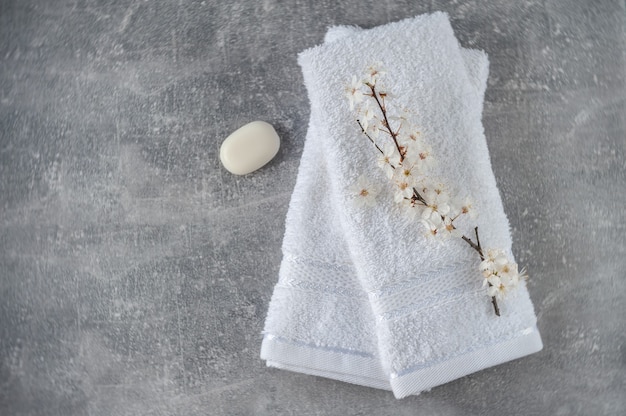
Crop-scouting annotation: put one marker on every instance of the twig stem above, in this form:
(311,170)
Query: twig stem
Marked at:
(386,121)
(369,137)
(476,246)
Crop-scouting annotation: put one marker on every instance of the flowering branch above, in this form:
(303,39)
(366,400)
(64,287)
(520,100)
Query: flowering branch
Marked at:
(406,161)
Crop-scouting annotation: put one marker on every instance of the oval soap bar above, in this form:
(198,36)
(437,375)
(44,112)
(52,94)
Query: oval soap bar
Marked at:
(249,147)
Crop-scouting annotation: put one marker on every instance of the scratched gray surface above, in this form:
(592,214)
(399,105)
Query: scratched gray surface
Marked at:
(135,271)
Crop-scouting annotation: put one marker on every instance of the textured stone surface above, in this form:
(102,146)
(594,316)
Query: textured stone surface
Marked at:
(135,271)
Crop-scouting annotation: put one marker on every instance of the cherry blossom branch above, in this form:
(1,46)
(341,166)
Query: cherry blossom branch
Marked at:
(476,246)
(408,171)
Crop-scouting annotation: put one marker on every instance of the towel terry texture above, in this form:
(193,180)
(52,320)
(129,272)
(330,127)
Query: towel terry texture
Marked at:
(363,295)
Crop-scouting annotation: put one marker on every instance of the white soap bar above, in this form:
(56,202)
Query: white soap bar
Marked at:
(249,148)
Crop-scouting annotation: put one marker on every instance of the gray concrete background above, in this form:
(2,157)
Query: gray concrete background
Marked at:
(135,272)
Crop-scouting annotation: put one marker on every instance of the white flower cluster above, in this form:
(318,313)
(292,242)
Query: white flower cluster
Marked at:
(501,275)
(364,192)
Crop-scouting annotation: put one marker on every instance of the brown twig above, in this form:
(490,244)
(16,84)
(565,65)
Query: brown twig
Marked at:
(476,246)
(393,135)
(369,137)
(495,304)
(418,197)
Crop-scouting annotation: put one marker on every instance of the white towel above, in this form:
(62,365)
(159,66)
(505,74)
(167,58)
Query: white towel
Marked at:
(363,296)
(313,327)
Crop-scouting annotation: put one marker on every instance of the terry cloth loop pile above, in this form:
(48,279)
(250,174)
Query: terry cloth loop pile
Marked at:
(363,296)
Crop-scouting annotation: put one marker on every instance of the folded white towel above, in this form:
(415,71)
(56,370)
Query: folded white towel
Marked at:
(362,296)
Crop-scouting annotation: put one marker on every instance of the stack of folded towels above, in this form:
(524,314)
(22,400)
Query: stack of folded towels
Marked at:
(363,296)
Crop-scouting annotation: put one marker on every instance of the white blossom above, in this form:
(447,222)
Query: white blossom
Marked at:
(501,274)
(389,159)
(455,208)
(436,202)
(496,288)
(373,73)
(407,171)
(364,192)
(467,207)
(410,135)
(499,289)
(412,207)
(494,259)
(354,93)
(421,154)
(373,129)
(403,189)
(448,229)
(366,113)
(433,224)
